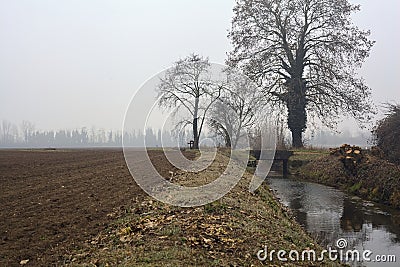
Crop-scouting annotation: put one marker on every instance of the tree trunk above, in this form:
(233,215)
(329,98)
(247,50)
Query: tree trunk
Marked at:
(297,138)
(195,122)
(297,116)
(195,134)
(227,138)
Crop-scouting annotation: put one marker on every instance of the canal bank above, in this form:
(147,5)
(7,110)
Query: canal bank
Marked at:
(368,176)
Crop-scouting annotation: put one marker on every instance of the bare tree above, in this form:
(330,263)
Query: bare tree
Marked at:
(236,110)
(6,128)
(304,55)
(14,134)
(188,85)
(27,129)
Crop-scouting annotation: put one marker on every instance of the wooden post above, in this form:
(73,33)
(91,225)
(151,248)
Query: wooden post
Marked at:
(285,168)
(191,143)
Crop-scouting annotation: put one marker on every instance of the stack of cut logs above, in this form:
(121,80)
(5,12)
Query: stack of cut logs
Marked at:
(351,156)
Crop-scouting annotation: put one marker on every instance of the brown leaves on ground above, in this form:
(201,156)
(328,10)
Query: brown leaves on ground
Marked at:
(227,232)
(195,227)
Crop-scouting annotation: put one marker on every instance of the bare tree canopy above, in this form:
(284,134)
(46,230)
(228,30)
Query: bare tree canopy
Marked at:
(236,110)
(304,55)
(189,85)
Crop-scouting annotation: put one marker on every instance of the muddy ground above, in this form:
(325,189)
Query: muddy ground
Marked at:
(52,201)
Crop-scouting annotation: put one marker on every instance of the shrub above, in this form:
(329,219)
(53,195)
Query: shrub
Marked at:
(387,133)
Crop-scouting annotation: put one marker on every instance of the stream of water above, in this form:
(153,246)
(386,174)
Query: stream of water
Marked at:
(329,214)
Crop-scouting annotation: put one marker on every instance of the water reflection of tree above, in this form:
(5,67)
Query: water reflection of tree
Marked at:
(296,204)
(354,228)
(359,222)
(328,215)
(352,218)
(356,217)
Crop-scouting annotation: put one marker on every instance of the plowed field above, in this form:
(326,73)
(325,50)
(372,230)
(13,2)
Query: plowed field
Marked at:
(52,201)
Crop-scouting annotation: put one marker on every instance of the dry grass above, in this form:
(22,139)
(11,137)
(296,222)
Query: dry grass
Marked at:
(376,179)
(227,232)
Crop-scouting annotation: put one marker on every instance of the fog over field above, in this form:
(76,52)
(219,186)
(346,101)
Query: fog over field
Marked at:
(75,64)
(199,132)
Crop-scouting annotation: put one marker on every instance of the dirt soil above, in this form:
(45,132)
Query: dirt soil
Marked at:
(53,201)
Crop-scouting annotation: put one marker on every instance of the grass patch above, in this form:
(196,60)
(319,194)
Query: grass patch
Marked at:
(308,155)
(355,188)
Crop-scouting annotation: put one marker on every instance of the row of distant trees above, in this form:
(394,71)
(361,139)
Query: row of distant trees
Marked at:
(25,135)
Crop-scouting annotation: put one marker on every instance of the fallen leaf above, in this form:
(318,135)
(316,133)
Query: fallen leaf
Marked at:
(23,262)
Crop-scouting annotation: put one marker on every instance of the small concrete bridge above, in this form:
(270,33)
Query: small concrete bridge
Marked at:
(281,155)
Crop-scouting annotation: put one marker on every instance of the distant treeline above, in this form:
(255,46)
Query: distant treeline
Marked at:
(26,136)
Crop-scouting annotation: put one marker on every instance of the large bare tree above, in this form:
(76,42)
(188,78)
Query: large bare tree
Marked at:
(188,85)
(235,112)
(304,54)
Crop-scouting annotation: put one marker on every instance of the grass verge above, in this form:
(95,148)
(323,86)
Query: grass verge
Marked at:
(375,179)
(227,232)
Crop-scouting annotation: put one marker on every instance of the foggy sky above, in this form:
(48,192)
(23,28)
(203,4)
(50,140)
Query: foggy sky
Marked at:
(69,64)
